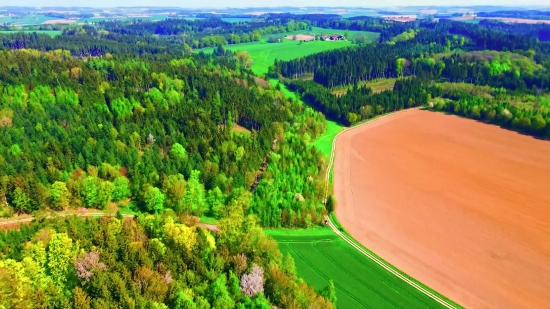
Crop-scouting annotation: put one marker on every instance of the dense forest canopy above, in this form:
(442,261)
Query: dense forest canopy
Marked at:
(149,262)
(121,115)
(155,129)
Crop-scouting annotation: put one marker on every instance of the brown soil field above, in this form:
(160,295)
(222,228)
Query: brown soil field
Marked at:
(400,18)
(59,21)
(459,205)
(301,37)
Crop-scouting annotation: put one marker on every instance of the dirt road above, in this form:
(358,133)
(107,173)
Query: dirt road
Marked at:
(457,204)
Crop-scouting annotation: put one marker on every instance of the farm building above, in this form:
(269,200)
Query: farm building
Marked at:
(333,37)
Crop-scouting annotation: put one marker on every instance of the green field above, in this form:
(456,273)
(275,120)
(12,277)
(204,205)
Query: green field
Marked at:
(264,54)
(26,20)
(236,19)
(51,33)
(324,142)
(320,255)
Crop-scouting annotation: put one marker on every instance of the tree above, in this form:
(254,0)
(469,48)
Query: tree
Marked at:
(91,191)
(61,252)
(219,295)
(329,292)
(16,150)
(252,283)
(21,200)
(154,199)
(88,264)
(194,199)
(121,189)
(329,205)
(178,151)
(60,195)
(80,299)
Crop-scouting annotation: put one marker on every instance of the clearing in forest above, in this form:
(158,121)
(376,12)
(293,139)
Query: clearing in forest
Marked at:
(377,86)
(320,255)
(264,54)
(457,204)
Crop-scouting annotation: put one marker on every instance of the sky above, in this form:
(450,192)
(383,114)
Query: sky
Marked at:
(265,3)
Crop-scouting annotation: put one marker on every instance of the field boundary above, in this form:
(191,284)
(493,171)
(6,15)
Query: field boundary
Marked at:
(349,240)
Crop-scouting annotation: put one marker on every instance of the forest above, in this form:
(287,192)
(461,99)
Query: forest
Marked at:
(115,122)
(150,262)
(512,58)
(153,129)
(121,116)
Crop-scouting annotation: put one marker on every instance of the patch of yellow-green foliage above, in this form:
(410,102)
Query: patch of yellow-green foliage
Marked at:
(499,95)
(405,36)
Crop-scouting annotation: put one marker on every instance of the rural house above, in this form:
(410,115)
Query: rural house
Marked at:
(333,37)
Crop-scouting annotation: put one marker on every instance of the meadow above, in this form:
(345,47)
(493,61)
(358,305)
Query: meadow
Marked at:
(52,33)
(264,54)
(27,20)
(319,255)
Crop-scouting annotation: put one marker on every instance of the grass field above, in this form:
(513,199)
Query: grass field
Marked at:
(378,85)
(51,33)
(324,142)
(320,255)
(236,19)
(264,54)
(27,20)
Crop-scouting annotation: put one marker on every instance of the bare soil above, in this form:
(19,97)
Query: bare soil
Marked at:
(301,37)
(459,205)
(401,18)
(59,21)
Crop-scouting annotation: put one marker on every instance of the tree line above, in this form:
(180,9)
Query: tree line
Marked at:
(360,103)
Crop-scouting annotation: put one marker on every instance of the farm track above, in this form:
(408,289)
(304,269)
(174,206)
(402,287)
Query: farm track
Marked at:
(263,166)
(211,227)
(347,239)
(92,214)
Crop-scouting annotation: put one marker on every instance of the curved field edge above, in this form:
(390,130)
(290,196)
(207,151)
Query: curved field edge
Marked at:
(321,255)
(340,230)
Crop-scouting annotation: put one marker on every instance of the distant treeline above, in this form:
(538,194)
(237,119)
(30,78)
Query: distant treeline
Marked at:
(527,14)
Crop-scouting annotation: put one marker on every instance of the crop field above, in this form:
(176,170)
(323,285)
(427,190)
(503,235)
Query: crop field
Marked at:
(320,255)
(264,54)
(26,20)
(236,19)
(443,197)
(52,33)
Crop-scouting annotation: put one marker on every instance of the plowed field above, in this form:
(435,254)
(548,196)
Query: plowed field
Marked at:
(461,206)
